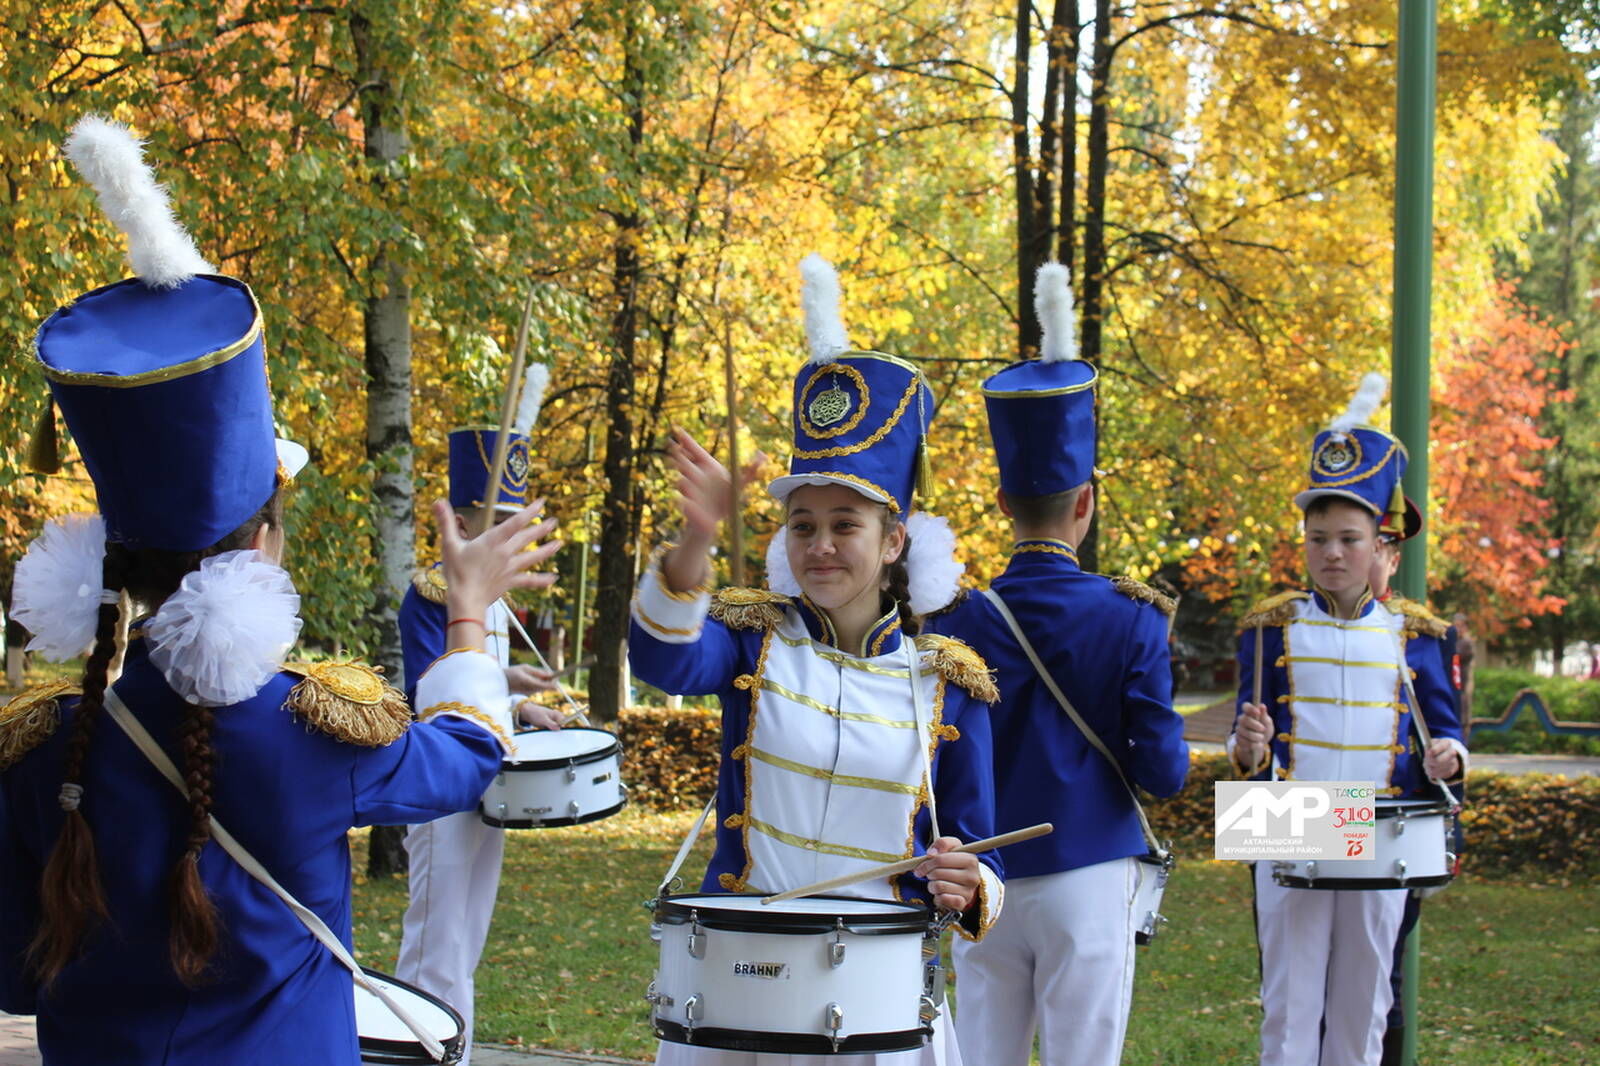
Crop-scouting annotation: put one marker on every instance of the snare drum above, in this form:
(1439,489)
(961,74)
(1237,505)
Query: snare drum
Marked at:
(556,777)
(1410,849)
(817,976)
(386,1039)
(1147,916)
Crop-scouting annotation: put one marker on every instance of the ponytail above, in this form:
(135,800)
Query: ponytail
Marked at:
(897,577)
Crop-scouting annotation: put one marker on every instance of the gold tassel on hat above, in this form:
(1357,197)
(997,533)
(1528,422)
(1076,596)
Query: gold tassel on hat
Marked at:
(44,453)
(1394,519)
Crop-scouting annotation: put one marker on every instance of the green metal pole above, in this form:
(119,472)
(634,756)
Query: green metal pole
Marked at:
(1413,293)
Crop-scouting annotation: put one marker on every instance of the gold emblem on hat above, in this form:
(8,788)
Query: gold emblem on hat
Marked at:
(829,406)
(517,463)
(1338,455)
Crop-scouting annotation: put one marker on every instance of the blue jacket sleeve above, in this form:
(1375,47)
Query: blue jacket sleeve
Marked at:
(1432,685)
(1157,758)
(422,626)
(701,667)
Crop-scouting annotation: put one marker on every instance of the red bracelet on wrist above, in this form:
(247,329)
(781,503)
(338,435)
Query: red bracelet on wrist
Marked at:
(468,621)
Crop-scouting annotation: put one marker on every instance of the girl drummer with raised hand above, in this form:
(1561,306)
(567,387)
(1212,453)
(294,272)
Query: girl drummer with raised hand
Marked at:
(835,715)
(143,909)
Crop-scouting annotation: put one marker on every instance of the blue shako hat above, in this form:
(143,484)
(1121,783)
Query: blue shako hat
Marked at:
(1363,464)
(162,378)
(860,418)
(472,456)
(1041,411)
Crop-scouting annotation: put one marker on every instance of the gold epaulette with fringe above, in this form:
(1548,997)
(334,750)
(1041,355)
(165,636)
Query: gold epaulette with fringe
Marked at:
(31,717)
(429,583)
(1138,590)
(350,702)
(745,608)
(1418,619)
(1274,610)
(957,663)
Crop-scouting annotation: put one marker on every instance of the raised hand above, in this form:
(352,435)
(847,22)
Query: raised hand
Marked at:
(480,570)
(705,498)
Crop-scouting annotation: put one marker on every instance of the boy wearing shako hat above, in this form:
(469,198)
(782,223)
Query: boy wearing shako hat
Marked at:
(1061,960)
(134,932)
(1335,706)
(848,741)
(454,862)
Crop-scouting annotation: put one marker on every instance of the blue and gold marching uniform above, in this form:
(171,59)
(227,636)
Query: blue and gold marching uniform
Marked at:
(162,380)
(1335,689)
(825,748)
(1061,958)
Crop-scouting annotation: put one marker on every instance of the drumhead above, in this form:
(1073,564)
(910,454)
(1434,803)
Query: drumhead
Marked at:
(547,749)
(813,914)
(385,1038)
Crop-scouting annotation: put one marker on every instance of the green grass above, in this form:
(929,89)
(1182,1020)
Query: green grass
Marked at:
(1508,968)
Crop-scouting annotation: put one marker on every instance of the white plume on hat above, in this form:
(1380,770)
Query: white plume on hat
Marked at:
(111,159)
(1052,303)
(534,381)
(819,297)
(1363,404)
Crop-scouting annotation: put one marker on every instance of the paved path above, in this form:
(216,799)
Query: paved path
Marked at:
(17,1049)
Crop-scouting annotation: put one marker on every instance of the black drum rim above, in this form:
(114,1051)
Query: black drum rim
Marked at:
(1361,883)
(903,919)
(405,1052)
(791,1043)
(548,823)
(614,749)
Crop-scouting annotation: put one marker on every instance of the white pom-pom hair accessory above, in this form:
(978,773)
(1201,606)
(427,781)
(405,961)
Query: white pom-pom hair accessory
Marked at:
(1052,303)
(1363,405)
(225,632)
(534,383)
(111,159)
(819,297)
(56,592)
(931,566)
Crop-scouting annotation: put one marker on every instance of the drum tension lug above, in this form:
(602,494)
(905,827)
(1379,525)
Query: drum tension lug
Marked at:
(657,999)
(572,772)
(1400,866)
(697,937)
(572,808)
(836,949)
(1311,871)
(1400,822)
(693,1011)
(835,1015)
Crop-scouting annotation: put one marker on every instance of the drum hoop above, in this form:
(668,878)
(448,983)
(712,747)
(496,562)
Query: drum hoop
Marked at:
(1411,809)
(548,823)
(411,1049)
(902,918)
(510,766)
(791,1043)
(1325,882)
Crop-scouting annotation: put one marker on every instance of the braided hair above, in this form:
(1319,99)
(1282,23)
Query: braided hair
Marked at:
(897,580)
(72,895)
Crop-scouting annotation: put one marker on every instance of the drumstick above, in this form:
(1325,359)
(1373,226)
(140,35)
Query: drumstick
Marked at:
(1260,641)
(508,410)
(893,868)
(577,714)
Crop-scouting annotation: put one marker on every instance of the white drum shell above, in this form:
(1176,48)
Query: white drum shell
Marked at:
(1411,848)
(554,778)
(783,983)
(385,1038)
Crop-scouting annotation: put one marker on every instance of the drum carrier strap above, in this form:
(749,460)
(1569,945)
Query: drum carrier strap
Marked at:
(1061,697)
(158,758)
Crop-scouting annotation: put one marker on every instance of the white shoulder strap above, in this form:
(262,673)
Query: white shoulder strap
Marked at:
(319,929)
(1083,727)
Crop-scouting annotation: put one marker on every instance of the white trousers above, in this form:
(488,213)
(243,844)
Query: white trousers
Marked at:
(1059,960)
(940,1051)
(455,873)
(1325,959)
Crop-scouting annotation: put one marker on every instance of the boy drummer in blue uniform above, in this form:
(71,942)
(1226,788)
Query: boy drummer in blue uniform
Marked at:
(454,862)
(1335,707)
(1061,957)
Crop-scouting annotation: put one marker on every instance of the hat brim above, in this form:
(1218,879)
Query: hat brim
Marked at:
(1413,521)
(1304,499)
(780,488)
(292,458)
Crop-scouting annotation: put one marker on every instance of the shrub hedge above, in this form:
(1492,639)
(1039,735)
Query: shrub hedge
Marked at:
(1568,699)
(1529,825)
